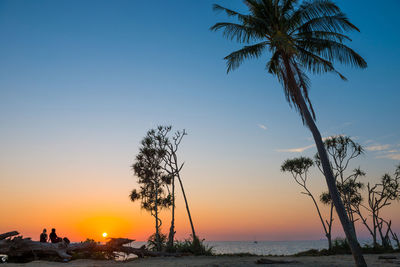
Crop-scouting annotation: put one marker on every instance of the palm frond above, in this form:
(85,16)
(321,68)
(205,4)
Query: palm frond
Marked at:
(242,33)
(287,5)
(230,12)
(313,9)
(316,64)
(334,36)
(274,65)
(333,51)
(336,23)
(236,58)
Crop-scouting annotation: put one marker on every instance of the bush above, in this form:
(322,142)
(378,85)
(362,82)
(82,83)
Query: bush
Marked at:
(313,252)
(152,241)
(340,246)
(194,246)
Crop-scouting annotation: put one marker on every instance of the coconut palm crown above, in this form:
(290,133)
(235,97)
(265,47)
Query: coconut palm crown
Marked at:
(307,37)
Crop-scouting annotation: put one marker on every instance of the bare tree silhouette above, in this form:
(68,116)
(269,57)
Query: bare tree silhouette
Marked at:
(299,168)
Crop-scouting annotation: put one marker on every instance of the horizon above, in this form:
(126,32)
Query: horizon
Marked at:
(82,82)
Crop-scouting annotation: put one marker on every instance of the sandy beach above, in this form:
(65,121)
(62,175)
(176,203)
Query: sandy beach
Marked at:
(337,260)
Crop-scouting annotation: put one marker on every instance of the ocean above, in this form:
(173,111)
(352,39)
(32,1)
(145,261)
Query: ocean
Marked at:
(261,247)
(266,247)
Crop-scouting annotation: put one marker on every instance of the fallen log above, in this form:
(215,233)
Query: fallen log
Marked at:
(268,261)
(24,249)
(9,234)
(19,247)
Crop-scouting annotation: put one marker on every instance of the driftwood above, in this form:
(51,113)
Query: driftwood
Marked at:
(268,261)
(24,248)
(9,234)
(387,257)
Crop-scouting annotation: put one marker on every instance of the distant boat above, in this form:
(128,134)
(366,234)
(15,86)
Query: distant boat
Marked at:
(255,242)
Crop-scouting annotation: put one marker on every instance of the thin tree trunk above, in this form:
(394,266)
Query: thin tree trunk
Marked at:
(187,207)
(184,196)
(329,177)
(172,228)
(364,221)
(158,243)
(329,237)
(374,225)
(330,227)
(320,216)
(385,244)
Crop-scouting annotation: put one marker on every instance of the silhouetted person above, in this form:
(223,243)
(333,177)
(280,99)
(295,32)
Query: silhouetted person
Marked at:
(66,240)
(43,236)
(53,236)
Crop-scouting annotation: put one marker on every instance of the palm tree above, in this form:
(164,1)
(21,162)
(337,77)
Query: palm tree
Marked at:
(300,37)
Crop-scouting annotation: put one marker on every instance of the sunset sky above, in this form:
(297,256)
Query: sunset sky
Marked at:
(82,81)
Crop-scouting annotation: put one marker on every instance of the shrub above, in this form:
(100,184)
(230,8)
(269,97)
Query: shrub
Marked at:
(152,242)
(340,246)
(194,246)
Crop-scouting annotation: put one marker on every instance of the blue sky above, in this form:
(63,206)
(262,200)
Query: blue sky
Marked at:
(82,81)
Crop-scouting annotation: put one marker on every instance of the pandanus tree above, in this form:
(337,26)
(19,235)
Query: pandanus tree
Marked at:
(380,195)
(152,181)
(342,150)
(301,38)
(157,166)
(299,169)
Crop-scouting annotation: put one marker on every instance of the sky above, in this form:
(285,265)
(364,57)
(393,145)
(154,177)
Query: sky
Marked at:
(82,81)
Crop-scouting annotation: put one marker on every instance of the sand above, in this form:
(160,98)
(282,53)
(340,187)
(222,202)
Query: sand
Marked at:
(214,261)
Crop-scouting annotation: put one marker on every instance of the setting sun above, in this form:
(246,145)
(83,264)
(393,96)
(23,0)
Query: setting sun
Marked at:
(104,234)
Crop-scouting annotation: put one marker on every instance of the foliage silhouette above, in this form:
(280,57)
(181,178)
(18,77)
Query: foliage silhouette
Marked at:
(152,180)
(157,166)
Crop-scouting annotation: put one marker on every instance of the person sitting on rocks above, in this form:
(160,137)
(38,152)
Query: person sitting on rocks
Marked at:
(43,236)
(53,237)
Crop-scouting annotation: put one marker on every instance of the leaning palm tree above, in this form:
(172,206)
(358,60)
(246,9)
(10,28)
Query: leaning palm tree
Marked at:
(301,38)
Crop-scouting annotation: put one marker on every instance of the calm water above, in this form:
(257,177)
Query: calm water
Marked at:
(261,247)
(264,247)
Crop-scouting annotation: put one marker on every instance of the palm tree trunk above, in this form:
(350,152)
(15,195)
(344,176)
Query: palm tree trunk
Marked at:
(330,180)
(326,167)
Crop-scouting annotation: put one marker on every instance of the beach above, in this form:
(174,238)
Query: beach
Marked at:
(192,261)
